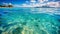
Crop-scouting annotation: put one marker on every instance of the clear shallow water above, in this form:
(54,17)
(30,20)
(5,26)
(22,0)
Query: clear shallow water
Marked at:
(29,20)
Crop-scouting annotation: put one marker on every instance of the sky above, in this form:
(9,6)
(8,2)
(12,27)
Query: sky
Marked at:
(18,1)
(13,1)
(27,3)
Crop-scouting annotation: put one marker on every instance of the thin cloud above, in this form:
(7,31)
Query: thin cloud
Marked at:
(32,1)
(5,3)
(41,3)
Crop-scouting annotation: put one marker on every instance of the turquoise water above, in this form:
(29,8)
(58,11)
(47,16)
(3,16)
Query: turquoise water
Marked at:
(29,20)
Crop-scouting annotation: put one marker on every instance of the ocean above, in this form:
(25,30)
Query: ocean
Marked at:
(29,20)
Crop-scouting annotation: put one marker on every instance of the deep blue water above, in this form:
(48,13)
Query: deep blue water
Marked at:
(29,20)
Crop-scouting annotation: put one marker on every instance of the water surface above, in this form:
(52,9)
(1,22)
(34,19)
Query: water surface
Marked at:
(29,20)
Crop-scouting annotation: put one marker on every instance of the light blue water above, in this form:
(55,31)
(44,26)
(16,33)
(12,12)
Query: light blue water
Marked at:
(29,20)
